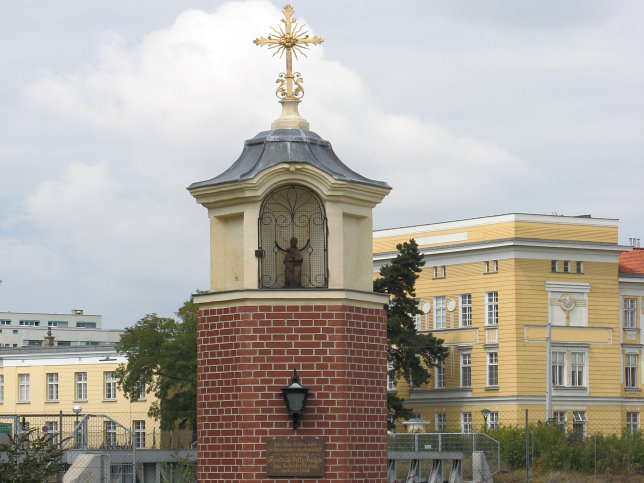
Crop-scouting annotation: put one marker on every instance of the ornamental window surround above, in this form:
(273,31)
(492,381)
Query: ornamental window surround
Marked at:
(292,251)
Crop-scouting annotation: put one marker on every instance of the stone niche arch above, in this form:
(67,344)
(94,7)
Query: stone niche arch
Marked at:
(292,212)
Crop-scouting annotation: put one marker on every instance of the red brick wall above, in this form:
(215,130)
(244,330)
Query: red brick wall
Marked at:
(246,355)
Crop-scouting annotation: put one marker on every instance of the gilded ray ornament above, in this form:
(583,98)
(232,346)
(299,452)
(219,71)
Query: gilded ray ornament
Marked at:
(291,39)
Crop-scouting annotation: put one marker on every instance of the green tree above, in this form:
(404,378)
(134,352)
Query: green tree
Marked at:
(410,354)
(162,357)
(30,458)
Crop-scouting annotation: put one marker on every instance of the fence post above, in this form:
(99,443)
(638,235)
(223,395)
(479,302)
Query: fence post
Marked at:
(595,437)
(527,449)
(440,446)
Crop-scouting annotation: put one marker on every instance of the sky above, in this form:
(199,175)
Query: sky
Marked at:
(109,110)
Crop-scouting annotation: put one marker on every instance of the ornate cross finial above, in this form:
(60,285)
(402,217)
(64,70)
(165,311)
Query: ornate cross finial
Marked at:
(292,39)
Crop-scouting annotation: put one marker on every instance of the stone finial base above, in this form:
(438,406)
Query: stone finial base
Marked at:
(290,117)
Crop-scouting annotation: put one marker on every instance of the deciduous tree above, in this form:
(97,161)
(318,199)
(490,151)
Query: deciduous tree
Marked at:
(162,357)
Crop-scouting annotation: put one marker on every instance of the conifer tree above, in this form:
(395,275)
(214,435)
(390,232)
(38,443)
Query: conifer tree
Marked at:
(410,355)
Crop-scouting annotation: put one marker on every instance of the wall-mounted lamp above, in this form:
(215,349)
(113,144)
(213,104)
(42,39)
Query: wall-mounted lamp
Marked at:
(295,396)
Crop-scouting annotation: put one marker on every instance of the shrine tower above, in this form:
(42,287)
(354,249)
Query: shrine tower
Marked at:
(291,289)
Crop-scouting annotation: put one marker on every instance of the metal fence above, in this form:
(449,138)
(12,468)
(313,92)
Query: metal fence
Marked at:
(447,443)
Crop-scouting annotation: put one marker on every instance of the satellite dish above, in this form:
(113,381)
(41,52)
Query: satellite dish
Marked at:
(451,305)
(426,307)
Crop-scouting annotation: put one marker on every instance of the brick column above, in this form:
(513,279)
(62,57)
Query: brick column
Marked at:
(246,355)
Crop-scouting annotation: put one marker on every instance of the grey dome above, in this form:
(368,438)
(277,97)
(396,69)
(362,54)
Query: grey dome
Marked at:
(270,148)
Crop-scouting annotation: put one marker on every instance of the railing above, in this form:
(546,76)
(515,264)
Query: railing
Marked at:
(449,442)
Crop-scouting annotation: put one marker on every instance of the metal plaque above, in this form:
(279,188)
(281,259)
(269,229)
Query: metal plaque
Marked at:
(295,458)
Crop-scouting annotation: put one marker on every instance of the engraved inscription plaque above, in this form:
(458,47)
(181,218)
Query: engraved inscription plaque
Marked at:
(295,458)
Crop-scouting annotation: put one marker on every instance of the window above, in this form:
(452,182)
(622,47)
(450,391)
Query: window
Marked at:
(5,322)
(580,267)
(86,325)
(57,323)
(23,387)
(558,368)
(466,370)
(439,272)
(579,423)
(554,266)
(577,369)
(417,317)
(561,420)
(439,313)
(52,428)
(466,422)
(30,323)
(110,434)
(630,313)
(465,302)
(290,215)
(632,422)
(140,390)
(630,369)
(493,420)
(391,378)
(492,369)
(1,388)
(441,422)
(491,266)
(439,373)
(52,387)
(110,386)
(566,266)
(32,343)
(139,434)
(81,386)
(491,308)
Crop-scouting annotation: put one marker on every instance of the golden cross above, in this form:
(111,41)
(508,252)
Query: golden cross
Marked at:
(290,39)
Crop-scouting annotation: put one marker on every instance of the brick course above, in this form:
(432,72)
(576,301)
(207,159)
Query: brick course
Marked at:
(247,354)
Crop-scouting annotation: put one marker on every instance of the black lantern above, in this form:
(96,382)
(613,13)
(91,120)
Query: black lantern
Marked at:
(295,397)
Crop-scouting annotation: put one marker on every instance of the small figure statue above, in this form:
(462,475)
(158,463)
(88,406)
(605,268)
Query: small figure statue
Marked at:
(293,262)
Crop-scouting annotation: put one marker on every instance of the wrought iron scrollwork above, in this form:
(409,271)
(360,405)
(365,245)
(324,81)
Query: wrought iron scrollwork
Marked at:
(290,213)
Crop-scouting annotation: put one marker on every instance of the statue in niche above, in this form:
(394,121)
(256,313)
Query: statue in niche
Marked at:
(293,265)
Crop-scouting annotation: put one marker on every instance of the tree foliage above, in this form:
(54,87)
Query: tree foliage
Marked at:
(162,355)
(30,458)
(410,354)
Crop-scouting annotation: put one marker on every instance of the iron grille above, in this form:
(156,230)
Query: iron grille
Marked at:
(292,212)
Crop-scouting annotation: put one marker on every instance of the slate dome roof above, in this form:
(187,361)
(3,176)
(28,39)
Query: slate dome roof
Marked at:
(269,148)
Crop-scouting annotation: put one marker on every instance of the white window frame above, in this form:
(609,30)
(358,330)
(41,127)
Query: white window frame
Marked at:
(110,386)
(558,368)
(440,313)
(465,309)
(418,317)
(630,312)
(492,309)
(110,434)
(1,388)
(52,429)
(439,271)
(566,266)
(632,422)
(580,267)
(577,369)
(439,375)
(466,369)
(492,369)
(52,386)
(579,422)
(441,422)
(466,423)
(391,380)
(493,420)
(139,434)
(554,266)
(80,389)
(561,420)
(630,370)
(23,388)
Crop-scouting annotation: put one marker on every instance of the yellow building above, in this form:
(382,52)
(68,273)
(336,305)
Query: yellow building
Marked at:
(490,288)
(40,386)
